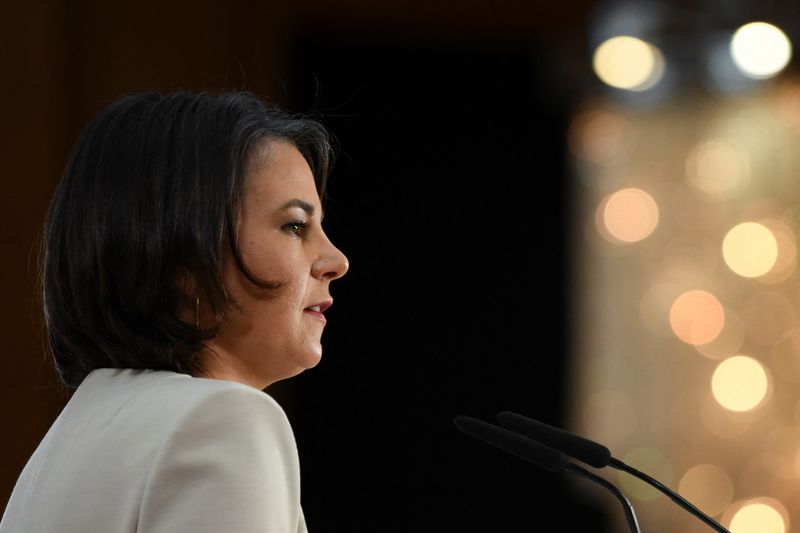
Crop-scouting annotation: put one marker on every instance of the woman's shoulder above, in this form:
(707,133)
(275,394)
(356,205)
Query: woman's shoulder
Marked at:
(163,384)
(121,396)
(199,454)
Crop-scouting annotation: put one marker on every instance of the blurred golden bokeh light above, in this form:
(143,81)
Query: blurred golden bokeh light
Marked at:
(650,461)
(655,305)
(628,215)
(718,169)
(760,50)
(796,464)
(597,136)
(788,103)
(690,258)
(728,342)
(762,515)
(739,383)
(609,416)
(785,358)
(769,318)
(780,447)
(750,249)
(626,62)
(722,423)
(786,261)
(708,487)
(690,324)
(697,317)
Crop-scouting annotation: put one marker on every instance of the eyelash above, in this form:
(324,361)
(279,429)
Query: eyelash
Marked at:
(301,227)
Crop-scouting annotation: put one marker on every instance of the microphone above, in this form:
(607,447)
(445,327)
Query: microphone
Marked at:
(593,454)
(540,455)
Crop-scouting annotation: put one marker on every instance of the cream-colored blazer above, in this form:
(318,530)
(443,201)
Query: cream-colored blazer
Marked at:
(144,451)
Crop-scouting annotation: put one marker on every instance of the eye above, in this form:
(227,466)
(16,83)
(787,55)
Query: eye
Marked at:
(297,227)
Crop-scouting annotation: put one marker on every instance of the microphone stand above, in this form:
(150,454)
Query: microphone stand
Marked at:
(630,516)
(674,496)
(539,454)
(594,454)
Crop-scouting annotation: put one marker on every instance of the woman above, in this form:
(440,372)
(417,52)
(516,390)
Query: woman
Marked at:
(184,269)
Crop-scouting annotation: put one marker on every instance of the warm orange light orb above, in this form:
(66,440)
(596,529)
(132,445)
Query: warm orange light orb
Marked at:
(630,215)
(697,317)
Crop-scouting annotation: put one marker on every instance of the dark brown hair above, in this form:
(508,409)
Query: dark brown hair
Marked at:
(152,190)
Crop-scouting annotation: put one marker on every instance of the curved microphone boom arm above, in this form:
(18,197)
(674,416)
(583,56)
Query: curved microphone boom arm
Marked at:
(540,455)
(594,454)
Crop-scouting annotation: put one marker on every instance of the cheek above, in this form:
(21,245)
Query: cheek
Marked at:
(276,261)
(267,263)
(285,304)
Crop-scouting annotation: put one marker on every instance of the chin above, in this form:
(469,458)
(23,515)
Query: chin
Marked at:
(297,369)
(311,360)
(307,357)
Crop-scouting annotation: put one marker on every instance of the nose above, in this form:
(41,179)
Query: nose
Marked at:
(331,265)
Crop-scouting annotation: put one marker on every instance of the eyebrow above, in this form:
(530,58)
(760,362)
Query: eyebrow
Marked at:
(302,204)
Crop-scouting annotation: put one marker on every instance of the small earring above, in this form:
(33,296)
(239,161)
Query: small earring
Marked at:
(197,313)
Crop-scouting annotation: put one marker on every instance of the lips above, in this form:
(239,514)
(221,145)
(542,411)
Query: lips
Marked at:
(320,307)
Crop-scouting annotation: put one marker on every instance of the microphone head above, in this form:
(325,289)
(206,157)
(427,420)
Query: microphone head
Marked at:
(584,450)
(513,443)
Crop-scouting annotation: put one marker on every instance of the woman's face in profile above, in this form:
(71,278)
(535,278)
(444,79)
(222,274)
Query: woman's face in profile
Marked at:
(281,239)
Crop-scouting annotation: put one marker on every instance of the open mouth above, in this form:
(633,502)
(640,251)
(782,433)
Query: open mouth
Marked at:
(319,307)
(316,310)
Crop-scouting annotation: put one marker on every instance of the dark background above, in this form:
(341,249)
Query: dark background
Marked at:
(450,196)
(450,200)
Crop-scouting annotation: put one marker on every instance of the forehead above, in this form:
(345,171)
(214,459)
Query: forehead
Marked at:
(278,172)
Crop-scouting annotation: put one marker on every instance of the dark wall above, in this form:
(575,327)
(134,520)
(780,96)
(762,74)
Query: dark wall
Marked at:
(450,198)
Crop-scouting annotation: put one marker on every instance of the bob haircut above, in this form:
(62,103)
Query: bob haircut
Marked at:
(152,192)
